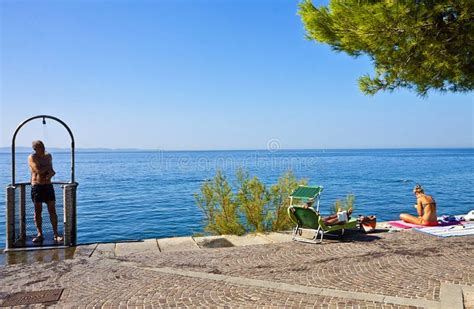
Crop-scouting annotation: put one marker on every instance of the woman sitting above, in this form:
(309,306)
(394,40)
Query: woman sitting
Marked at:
(426,208)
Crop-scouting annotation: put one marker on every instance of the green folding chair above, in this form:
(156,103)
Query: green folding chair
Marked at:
(305,194)
(309,219)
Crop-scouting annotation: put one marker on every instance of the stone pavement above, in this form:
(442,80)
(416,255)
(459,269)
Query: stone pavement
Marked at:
(383,270)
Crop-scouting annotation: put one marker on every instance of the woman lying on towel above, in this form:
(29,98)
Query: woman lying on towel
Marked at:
(331,219)
(426,208)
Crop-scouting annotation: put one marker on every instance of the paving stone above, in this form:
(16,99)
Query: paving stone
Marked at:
(363,271)
(127,248)
(177,244)
(246,240)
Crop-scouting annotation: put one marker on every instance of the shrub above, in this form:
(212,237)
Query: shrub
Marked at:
(253,199)
(263,208)
(280,202)
(349,202)
(217,201)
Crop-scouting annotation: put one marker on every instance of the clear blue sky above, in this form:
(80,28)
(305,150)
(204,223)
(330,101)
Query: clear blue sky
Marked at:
(201,75)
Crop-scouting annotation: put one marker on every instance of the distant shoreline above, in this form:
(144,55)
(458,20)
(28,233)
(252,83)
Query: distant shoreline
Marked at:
(23,149)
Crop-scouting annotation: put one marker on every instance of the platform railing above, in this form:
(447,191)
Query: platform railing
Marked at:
(20,225)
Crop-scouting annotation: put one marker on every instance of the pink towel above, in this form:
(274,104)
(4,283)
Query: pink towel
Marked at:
(405,225)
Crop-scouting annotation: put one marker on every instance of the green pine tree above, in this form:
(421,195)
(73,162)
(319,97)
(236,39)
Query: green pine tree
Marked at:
(418,44)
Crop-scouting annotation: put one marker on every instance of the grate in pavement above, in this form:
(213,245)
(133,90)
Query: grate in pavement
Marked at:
(32,297)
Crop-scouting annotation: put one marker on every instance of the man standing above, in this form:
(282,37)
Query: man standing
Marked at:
(42,191)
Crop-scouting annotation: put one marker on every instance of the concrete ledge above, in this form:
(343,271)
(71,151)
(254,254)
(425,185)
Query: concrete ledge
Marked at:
(276,237)
(468,296)
(146,246)
(247,240)
(412,302)
(450,296)
(213,242)
(85,250)
(353,295)
(177,244)
(104,250)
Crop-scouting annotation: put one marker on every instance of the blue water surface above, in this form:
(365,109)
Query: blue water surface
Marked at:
(139,195)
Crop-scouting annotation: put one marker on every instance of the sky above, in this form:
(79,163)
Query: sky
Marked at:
(201,75)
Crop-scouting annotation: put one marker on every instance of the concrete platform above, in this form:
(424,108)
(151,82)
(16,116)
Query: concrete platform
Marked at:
(247,240)
(104,250)
(177,244)
(277,237)
(145,246)
(213,242)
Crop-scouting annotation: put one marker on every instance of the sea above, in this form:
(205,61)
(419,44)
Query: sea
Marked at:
(131,195)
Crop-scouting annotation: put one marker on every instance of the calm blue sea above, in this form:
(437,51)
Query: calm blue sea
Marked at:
(136,195)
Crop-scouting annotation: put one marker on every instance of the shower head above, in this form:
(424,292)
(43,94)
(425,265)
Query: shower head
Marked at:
(44,120)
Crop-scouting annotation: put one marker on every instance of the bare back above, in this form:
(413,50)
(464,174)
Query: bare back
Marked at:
(41,167)
(427,206)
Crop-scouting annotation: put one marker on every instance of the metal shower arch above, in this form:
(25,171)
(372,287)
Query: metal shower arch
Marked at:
(44,117)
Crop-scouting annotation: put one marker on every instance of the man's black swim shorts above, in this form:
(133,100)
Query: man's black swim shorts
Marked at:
(42,193)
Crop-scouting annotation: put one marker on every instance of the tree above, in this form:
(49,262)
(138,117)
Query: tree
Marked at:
(417,44)
(253,198)
(217,201)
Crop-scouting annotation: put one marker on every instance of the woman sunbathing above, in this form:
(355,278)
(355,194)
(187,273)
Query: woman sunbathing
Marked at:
(331,219)
(426,208)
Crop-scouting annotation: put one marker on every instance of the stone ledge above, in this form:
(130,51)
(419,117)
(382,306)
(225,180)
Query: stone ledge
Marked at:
(177,244)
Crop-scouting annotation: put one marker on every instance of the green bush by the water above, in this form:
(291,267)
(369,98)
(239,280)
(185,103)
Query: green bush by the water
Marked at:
(263,208)
(349,202)
(218,203)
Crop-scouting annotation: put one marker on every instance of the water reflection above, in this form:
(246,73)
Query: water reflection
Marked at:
(34,256)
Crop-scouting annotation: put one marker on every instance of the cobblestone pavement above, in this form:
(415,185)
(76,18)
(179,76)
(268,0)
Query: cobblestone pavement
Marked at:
(404,265)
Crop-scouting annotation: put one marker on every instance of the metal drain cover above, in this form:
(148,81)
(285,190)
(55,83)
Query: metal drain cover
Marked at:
(33,297)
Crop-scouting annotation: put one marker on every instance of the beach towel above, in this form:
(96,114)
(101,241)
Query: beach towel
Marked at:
(405,225)
(449,220)
(448,231)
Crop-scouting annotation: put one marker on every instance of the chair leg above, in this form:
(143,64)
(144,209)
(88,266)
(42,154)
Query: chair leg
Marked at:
(295,232)
(316,234)
(341,237)
(322,235)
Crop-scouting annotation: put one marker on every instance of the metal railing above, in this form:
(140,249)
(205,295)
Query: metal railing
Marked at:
(20,210)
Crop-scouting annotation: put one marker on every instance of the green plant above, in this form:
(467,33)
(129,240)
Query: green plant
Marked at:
(262,208)
(217,201)
(346,204)
(422,45)
(253,198)
(280,202)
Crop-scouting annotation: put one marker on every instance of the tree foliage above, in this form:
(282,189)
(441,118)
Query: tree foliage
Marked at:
(261,208)
(346,204)
(418,44)
(253,198)
(280,202)
(217,201)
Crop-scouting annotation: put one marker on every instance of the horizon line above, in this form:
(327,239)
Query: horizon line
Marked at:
(105,149)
